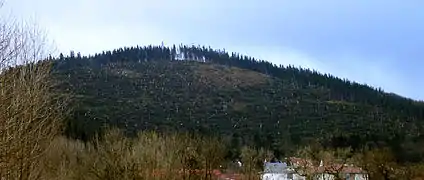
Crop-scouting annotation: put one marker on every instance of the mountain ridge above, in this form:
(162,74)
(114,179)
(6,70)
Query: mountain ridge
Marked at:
(249,101)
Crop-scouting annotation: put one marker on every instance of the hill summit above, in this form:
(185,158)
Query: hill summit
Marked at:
(242,99)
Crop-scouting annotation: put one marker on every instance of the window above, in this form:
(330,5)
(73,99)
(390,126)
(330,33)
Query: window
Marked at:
(289,175)
(347,176)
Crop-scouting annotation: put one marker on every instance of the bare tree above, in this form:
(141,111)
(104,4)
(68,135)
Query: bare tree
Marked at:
(29,113)
(337,161)
(307,159)
(252,161)
(212,154)
(316,160)
(379,163)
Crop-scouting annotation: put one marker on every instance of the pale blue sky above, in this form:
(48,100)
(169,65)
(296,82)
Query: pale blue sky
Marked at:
(377,42)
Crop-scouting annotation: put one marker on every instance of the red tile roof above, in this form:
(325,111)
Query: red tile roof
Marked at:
(332,168)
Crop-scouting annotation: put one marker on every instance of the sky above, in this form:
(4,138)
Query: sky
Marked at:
(374,42)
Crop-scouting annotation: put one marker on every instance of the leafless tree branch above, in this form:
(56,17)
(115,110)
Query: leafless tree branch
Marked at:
(30,113)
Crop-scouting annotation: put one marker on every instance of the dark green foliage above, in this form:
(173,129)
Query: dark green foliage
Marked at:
(249,102)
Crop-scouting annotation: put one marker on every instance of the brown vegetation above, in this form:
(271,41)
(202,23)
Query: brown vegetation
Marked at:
(223,76)
(148,156)
(378,164)
(29,114)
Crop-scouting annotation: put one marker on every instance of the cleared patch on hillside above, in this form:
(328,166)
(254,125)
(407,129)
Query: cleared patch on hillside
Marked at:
(224,76)
(239,106)
(128,73)
(341,103)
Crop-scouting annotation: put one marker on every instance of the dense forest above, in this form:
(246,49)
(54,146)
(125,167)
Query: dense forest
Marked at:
(244,100)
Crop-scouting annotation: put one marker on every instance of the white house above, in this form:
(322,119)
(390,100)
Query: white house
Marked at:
(281,171)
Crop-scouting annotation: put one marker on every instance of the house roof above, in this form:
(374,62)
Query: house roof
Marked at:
(334,168)
(326,168)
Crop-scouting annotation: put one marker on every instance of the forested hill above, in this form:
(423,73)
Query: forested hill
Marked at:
(248,101)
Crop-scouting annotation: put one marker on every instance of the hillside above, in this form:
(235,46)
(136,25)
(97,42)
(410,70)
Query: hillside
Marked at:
(247,101)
